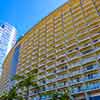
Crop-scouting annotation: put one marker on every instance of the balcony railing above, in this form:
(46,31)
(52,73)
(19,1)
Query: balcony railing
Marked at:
(91,69)
(49,67)
(90,87)
(76,73)
(51,80)
(84,61)
(94,76)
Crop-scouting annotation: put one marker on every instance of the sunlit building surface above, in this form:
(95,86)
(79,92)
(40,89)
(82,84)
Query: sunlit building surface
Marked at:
(65,48)
(7,41)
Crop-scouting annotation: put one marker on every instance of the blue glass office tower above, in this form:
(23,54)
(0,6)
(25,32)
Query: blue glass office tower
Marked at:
(7,41)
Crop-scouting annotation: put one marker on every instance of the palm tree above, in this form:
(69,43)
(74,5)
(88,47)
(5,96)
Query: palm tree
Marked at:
(11,95)
(60,95)
(4,96)
(56,96)
(25,82)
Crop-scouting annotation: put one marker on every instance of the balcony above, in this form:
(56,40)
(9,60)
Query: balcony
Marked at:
(93,77)
(41,54)
(60,77)
(50,39)
(89,51)
(51,80)
(63,85)
(51,54)
(49,61)
(73,82)
(59,63)
(59,38)
(50,73)
(75,64)
(87,88)
(83,40)
(40,65)
(41,76)
(50,88)
(89,8)
(60,43)
(60,70)
(96,41)
(76,90)
(84,61)
(59,85)
(76,9)
(91,68)
(71,51)
(60,56)
(95,21)
(60,49)
(95,28)
(86,4)
(51,66)
(92,87)
(71,44)
(75,73)
(41,70)
(59,29)
(74,57)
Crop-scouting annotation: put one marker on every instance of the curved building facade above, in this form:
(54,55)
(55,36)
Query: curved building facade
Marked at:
(65,48)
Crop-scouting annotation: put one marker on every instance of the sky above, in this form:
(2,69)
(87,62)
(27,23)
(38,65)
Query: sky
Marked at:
(24,14)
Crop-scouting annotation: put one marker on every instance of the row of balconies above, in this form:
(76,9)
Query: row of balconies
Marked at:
(72,82)
(92,29)
(51,66)
(86,32)
(50,38)
(87,88)
(58,24)
(81,71)
(93,50)
(83,61)
(81,80)
(80,89)
(85,39)
(50,25)
(50,30)
(86,4)
(67,23)
(82,48)
(79,19)
(59,44)
(98,6)
(89,8)
(73,73)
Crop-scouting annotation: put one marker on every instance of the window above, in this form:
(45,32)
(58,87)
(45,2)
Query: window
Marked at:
(78,79)
(62,60)
(70,50)
(66,67)
(3,26)
(95,40)
(85,52)
(43,88)
(90,67)
(43,81)
(79,88)
(90,76)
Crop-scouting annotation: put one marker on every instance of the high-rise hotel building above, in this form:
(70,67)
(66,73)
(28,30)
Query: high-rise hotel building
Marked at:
(7,41)
(65,48)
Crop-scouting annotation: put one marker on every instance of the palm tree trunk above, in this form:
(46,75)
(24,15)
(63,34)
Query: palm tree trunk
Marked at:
(27,94)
